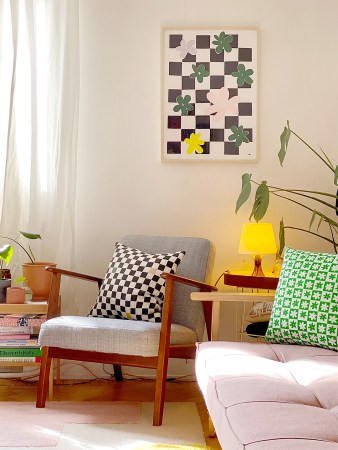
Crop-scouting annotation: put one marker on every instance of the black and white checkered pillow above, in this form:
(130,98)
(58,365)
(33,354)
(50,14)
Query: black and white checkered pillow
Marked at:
(133,288)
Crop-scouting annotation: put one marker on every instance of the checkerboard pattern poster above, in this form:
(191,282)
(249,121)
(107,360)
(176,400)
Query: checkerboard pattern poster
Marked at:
(209,94)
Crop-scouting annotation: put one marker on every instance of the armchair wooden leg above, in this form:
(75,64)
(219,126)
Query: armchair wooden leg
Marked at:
(161,380)
(118,373)
(43,379)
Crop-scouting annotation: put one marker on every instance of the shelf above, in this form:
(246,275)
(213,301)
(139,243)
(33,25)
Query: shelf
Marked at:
(232,297)
(24,308)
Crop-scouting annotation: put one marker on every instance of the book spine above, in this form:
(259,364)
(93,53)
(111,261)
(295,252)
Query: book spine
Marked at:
(19,352)
(16,330)
(12,337)
(19,343)
(13,322)
(21,359)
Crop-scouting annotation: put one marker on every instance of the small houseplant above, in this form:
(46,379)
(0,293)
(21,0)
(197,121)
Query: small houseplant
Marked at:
(313,201)
(36,277)
(6,253)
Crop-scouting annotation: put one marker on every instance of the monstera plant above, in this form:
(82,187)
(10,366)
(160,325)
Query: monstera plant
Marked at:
(316,202)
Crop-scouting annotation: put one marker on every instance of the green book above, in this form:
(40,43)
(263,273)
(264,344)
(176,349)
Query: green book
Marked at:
(22,351)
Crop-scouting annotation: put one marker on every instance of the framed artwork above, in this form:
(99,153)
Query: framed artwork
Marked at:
(209,95)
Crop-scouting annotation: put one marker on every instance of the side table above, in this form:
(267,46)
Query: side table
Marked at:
(242,281)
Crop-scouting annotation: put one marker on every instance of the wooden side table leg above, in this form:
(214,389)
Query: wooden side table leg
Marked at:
(216,307)
(58,371)
(212,432)
(51,381)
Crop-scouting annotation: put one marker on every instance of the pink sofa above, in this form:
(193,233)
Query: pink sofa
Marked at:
(270,396)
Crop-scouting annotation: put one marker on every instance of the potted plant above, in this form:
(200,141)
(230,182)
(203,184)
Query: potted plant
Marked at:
(311,200)
(36,277)
(6,253)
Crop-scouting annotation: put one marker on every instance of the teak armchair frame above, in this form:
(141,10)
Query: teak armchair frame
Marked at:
(159,362)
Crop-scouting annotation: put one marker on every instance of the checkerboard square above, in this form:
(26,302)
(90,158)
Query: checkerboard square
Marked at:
(175,68)
(188,82)
(202,41)
(175,40)
(173,94)
(202,121)
(244,54)
(173,148)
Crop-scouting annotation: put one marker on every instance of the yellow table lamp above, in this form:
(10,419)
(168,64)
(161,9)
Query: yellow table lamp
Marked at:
(257,239)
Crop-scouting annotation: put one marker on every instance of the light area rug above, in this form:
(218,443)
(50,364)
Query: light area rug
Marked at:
(23,425)
(181,429)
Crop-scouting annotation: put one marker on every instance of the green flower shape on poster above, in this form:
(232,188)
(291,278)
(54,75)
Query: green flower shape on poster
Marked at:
(194,143)
(239,135)
(223,42)
(200,72)
(243,75)
(183,104)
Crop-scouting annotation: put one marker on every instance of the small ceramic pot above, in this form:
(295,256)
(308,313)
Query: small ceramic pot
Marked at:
(15,295)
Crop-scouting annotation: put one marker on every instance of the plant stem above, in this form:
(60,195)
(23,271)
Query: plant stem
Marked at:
(334,242)
(305,196)
(313,150)
(327,219)
(300,192)
(310,232)
(303,190)
(18,243)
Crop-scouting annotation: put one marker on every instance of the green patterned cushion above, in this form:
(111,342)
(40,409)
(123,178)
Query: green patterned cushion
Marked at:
(305,309)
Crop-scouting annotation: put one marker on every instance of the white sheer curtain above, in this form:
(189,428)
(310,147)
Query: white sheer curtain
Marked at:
(39,92)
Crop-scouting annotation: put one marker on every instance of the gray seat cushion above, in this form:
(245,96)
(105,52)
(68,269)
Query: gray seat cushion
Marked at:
(128,337)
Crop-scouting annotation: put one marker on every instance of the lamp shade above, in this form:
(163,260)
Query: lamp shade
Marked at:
(257,239)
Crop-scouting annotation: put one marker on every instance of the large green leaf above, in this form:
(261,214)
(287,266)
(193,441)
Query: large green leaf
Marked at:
(30,235)
(281,237)
(245,192)
(6,253)
(261,202)
(284,141)
(336,176)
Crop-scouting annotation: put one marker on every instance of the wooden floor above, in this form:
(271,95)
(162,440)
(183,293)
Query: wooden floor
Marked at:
(138,390)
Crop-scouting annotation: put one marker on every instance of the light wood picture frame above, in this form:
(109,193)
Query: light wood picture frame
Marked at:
(209,94)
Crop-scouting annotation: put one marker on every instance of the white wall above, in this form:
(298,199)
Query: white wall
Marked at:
(122,186)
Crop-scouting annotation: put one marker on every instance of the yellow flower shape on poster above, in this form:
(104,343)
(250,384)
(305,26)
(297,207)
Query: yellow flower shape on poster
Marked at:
(194,143)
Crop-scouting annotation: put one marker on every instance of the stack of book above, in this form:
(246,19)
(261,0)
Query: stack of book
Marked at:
(19,337)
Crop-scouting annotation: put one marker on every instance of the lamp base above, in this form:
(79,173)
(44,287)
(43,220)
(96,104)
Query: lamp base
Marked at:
(258,271)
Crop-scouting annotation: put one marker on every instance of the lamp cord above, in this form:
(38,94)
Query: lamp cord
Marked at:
(220,277)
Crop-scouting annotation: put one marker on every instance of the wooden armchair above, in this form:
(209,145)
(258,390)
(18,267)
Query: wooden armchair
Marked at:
(130,342)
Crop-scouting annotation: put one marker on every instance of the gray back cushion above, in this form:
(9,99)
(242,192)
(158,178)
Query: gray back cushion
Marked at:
(197,264)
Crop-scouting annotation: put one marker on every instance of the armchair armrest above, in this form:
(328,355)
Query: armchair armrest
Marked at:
(54,295)
(204,287)
(68,273)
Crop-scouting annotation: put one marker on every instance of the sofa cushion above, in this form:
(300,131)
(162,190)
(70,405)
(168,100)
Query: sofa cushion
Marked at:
(305,310)
(133,287)
(261,396)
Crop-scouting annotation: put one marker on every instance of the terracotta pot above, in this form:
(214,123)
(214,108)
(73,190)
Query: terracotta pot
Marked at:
(15,295)
(38,279)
